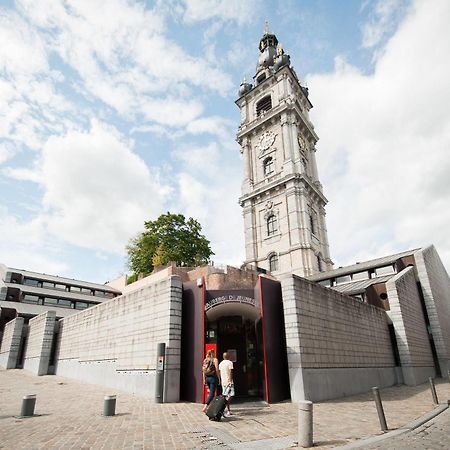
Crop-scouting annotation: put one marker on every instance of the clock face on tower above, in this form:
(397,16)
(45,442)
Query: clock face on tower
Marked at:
(266,141)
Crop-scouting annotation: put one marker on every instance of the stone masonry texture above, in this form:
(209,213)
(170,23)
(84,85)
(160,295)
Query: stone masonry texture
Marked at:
(331,330)
(9,349)
(436,290)
(39,343)
(117,340)
(409,323)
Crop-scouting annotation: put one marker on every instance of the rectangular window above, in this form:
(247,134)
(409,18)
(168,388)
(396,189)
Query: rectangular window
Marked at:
(50,301)
(32,282)
(86,291)
(28,298)
(343,279)
(61,287)
(386,270)
(81,305)
(64,303)
(326,283)
(360,276)
(48,285)
(272,226)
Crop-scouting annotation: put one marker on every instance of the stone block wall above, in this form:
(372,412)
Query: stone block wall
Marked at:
(435,284)
(10,345)
(115,343)
(336,345)
(39,343)
(410,329)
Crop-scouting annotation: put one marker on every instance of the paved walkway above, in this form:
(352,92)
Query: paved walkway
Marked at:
(69,417)
(433,435)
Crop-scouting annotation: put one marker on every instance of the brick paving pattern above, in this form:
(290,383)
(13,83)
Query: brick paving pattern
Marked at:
(69,416)
(434,435)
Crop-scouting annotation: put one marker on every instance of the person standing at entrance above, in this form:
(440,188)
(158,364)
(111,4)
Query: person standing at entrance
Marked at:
(226,378)
(210,371)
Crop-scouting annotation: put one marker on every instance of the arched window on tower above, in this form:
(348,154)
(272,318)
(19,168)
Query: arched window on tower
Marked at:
(263,105)
(269,166)
(273,263)
(319,263)
(272,226)
(313,222)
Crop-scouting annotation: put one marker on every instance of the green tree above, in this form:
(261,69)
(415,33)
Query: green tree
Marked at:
(168,238)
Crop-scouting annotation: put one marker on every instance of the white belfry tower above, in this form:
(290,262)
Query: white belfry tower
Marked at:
(282,199)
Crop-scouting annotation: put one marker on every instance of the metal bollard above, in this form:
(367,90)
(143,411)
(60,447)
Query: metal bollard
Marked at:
(448,373)
(305,424)
(433,391)
(109,407)
(380,410)
(28,403)
(160,366)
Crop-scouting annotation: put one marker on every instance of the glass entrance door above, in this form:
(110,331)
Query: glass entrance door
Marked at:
(241,339)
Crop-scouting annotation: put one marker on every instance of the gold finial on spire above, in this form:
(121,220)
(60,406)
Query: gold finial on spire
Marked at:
(266,27)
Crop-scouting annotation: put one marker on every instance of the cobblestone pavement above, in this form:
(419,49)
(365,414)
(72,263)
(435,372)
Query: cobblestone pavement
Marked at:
(434,435)
(68,416)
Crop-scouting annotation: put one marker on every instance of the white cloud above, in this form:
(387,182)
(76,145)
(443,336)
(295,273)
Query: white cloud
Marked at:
(222,128)
(30,105)
(97,192)
(123,56)
(384,143)
(26,244)
(237,10)
(382,21)
(208,188)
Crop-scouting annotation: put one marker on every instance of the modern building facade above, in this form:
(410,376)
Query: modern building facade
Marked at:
(27,294)
(302,330)
(282,199)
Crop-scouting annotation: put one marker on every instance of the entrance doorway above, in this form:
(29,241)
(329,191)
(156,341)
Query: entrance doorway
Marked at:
(241,338)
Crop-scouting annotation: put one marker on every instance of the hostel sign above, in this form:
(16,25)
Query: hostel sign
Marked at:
(230,299)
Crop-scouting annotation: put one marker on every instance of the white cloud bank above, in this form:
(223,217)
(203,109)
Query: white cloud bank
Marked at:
(385,138)
(97,192)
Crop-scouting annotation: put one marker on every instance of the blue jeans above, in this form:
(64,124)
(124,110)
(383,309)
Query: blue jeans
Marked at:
(211,382)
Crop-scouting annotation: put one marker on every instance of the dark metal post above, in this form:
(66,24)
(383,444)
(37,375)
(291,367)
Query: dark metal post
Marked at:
(109,407)
(28,403)
(380,411)
(160,366)
(433,391)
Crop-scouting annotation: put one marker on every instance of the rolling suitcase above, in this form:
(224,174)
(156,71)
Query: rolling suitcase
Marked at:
(216,408)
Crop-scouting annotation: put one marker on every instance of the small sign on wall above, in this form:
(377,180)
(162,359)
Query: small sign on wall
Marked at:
(160,365)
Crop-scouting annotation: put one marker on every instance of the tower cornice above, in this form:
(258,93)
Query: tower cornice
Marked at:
(279,182)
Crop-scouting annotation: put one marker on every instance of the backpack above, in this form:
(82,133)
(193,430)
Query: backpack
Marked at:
(208,367)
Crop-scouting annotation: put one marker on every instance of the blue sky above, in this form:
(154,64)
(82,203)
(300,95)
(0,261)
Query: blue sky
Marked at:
(114,112)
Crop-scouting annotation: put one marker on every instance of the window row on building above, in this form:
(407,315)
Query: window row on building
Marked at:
(65,287)
(359,276)
(54,301)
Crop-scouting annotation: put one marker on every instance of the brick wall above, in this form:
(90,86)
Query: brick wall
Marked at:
(10,345)
(336,345)
(410,328)
(436,290)
(114,343)
(39,343)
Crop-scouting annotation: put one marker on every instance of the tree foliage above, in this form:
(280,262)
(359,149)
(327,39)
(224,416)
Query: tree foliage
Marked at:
(168,238)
